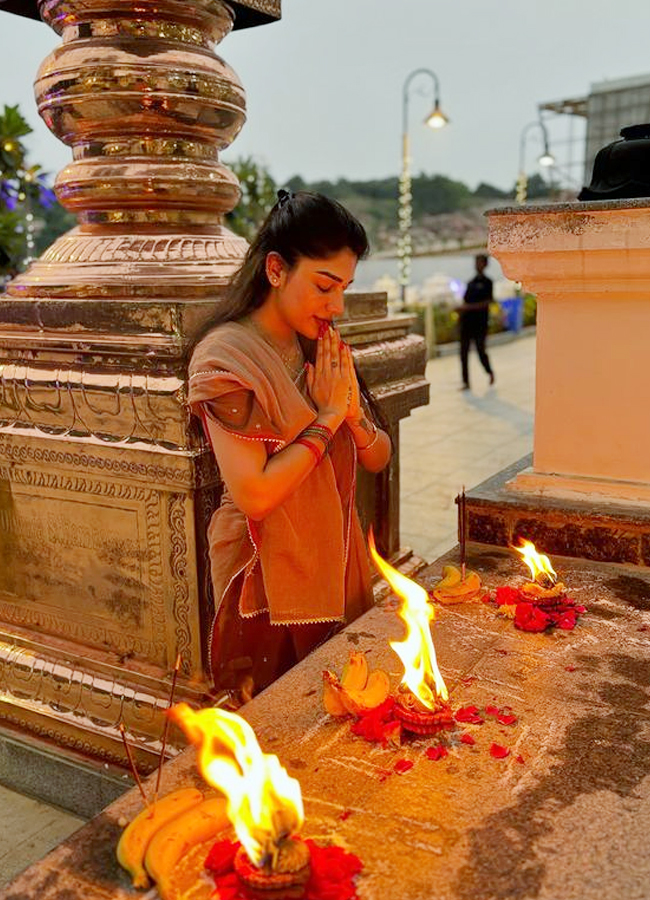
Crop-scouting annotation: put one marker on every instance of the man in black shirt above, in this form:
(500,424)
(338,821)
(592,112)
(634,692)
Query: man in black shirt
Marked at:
(474,319)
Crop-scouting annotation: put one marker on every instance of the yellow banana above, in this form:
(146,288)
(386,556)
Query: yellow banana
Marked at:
(355,671)
(135,838)
(460,591)
(375,692)
(450,577)
(332,690)
(171,843)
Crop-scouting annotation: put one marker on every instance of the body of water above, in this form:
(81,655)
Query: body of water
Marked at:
(457,266)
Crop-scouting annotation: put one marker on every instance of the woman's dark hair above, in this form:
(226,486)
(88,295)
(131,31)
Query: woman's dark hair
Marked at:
(303,224)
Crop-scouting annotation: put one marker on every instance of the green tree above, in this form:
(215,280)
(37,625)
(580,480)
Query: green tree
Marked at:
(258,195)
(24,193)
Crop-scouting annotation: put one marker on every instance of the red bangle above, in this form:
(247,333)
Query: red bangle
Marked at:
(313,449)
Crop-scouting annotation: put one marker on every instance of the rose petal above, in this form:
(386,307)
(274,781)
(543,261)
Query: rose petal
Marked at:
(530,618)
(221,858)
(467,739)
(507,719)
(437,752)
(402,766)
(491,710)
(469,714)
(499,752)
(507,595)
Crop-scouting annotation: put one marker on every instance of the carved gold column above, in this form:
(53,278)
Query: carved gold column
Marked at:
(105,488)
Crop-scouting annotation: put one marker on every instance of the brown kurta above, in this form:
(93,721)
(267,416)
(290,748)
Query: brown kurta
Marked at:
(306,562)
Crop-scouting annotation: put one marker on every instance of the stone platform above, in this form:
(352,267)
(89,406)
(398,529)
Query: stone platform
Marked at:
(565,815)
(596,528)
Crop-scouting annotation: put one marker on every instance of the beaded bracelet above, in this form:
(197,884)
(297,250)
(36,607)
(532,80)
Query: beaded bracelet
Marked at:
(313,449)
(326,434)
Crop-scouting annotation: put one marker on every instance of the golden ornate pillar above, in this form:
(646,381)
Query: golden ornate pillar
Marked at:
(105,486)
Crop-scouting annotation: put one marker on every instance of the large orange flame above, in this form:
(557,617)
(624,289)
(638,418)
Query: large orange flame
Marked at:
(421,674)
(264,802)
(538,563)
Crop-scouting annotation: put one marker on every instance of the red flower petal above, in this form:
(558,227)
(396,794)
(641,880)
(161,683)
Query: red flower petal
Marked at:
(499,752)
(437,752)
(379,725)
(566,621)
(402,766)
(529,617)
(467,739)
(469,714)
(505,596)
(221,857)
(491,710)
(507,719)
(520,759)
(345,815)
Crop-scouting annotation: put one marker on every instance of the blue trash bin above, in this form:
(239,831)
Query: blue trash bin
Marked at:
(513,313)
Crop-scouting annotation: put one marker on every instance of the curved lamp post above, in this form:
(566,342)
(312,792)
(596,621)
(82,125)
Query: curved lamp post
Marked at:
(545,159)
(435,119)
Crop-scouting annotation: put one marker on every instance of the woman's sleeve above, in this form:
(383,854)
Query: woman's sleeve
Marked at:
(230,403)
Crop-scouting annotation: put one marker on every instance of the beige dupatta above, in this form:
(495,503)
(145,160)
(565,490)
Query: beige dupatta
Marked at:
(295,560)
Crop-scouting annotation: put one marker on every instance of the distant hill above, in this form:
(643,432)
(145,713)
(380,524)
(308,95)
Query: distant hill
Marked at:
(445,212)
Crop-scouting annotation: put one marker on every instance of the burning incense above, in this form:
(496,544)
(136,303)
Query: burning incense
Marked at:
(462,530)
(177,666)
(132,764)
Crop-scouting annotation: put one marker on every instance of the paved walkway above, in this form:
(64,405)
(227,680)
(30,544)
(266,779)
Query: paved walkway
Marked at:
(461,438)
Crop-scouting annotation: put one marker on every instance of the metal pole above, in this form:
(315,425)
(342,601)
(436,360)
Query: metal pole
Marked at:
(405,215)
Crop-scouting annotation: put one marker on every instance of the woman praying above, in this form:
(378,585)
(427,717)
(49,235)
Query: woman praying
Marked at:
(279,398)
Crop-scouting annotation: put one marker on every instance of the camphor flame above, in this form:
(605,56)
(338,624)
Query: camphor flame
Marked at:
(538,563)
(421,674)
(264,803)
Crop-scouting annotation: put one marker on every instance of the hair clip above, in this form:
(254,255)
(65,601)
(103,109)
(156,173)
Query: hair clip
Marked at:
(283,197)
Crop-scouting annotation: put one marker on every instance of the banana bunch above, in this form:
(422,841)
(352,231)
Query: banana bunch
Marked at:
(454,589)
(357,691)
(162,834)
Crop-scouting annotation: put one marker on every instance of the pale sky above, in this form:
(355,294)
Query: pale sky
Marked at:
(324,85)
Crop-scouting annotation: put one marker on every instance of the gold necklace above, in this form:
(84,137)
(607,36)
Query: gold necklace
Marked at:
(292,361)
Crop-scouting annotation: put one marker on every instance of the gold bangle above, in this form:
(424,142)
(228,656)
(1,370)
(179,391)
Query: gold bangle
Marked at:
(372,439)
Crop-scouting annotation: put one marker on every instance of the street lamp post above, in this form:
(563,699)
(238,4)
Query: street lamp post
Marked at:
(435,119)
(545,159)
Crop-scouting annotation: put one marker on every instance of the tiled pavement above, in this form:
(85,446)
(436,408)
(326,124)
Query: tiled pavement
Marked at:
(28,830)
(460,438)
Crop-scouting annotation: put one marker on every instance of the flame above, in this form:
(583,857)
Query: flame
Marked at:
(264,803)
(421,674)
(538,563)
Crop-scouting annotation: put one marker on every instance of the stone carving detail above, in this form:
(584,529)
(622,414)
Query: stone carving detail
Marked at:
(178,560)
(119,407)
(133,248)
(22,453)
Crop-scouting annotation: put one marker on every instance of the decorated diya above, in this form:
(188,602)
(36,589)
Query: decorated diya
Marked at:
(263,802)
(182,841)
(421,702)
(542,602)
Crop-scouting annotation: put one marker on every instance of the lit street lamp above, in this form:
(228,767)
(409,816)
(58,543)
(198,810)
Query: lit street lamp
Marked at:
(435,119)
(546,159)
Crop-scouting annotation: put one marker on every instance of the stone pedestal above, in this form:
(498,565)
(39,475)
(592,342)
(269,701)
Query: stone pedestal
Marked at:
(589,266)
(106,485)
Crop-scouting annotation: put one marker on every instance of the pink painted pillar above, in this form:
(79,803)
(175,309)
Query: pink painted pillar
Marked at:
(589,265)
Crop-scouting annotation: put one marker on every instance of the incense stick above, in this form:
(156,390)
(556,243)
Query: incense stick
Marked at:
(132,764)
(463,532)
(177,666)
